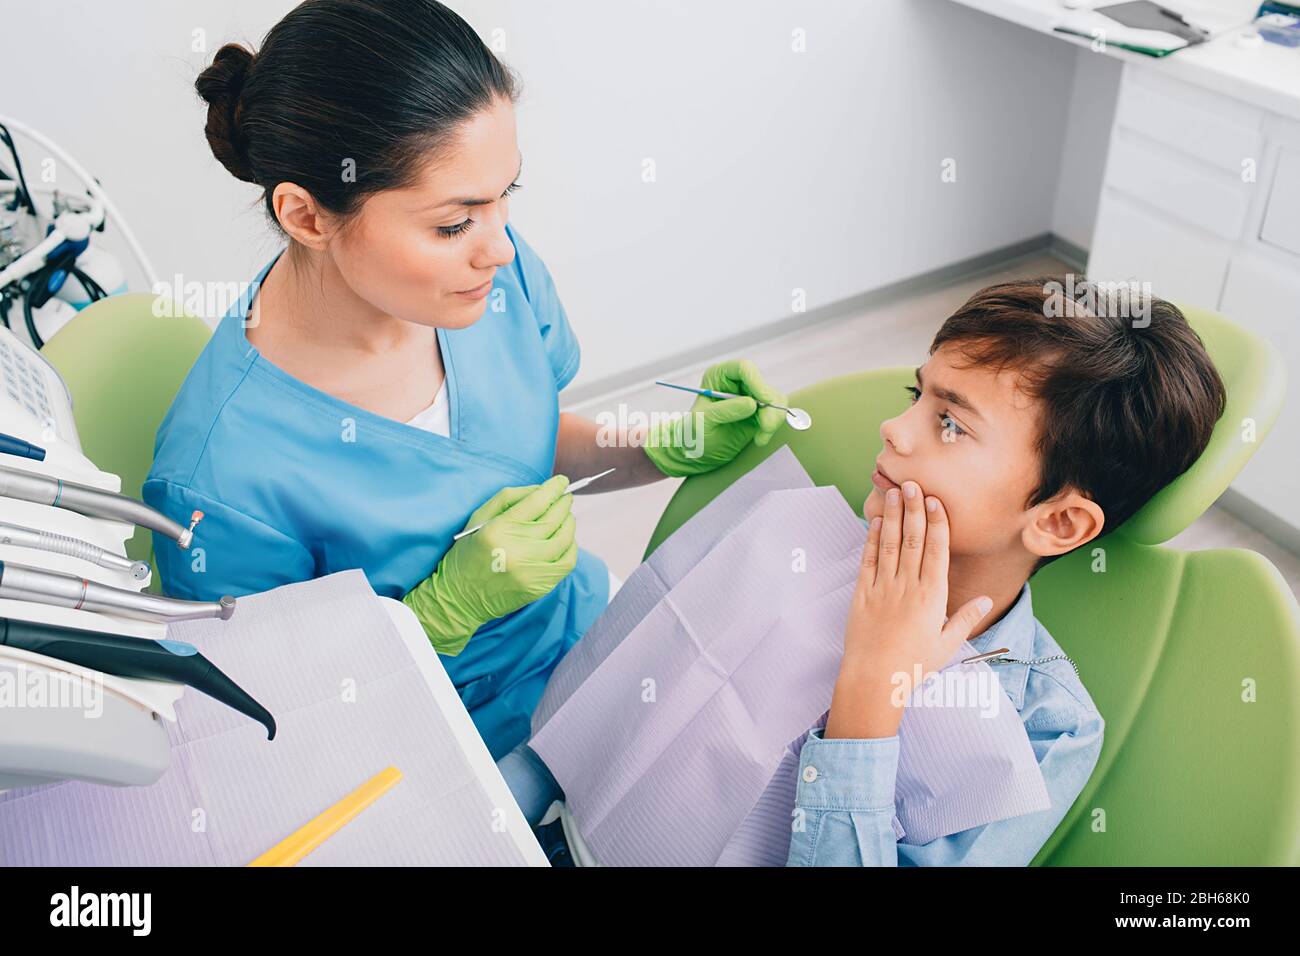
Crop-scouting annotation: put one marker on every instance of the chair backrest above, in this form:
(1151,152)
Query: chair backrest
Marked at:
(124,361)
(1193,658)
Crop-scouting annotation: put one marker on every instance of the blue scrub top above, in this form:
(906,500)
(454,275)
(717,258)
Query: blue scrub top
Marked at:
(295,483)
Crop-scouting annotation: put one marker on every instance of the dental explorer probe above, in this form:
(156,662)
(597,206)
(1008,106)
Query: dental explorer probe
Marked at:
(796,418)
(92,502)
(21,583)
(40,540)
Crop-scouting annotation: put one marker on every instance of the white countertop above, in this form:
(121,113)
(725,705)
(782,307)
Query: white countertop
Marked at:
(1267,75)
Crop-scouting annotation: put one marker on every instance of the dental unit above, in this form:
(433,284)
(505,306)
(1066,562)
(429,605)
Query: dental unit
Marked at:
(125,656)
(21,583)
(93,502)
(40,540)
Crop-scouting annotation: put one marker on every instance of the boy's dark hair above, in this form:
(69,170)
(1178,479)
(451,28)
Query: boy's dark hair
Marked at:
(1127,392)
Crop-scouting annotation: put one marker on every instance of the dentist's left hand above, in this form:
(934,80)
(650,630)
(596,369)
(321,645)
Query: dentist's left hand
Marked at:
(526,547)
(716,430)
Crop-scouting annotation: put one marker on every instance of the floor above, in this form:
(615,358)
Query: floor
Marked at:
(618,525)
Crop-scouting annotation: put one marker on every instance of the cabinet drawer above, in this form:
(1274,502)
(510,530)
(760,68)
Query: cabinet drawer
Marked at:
(1212,128)
(1213,199)
(1131,243)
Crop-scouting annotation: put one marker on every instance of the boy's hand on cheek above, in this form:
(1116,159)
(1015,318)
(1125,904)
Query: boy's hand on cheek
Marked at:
(896,616)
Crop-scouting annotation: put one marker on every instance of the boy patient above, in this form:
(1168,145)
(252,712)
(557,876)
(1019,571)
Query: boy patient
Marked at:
(1048,411)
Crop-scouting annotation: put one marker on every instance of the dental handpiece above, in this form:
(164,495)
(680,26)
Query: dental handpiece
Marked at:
(21,583)
(140,657)
(93,502)
(40,540)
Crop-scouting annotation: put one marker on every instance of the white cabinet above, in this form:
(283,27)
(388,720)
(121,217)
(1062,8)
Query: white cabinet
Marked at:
(1263,294)
(1281,226)
(1135,243)
(1201,198)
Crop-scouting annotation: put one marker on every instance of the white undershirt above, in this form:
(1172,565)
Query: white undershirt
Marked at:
(436,418)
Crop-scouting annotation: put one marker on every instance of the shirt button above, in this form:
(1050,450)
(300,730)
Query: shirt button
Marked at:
(809,773)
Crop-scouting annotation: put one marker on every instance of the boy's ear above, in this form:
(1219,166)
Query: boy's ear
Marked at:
(1062,524)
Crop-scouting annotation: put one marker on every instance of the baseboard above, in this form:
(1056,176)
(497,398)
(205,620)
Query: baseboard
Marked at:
(1076,257)
(670,365)
(1276,529)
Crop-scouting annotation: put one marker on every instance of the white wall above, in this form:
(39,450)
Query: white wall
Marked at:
(124,105)
(1084,147)
(776,170)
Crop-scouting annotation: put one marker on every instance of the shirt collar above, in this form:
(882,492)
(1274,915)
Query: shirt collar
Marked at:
(1015,631)
(230,332)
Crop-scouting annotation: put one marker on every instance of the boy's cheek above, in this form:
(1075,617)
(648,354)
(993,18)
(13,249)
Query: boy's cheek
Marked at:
(967,535)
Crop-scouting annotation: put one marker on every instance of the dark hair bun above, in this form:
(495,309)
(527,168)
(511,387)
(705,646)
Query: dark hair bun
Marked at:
(220,85)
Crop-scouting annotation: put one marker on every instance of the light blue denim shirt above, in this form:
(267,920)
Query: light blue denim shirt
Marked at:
(847,797)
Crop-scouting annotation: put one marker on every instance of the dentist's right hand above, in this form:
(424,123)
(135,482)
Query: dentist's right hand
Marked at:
(525,549)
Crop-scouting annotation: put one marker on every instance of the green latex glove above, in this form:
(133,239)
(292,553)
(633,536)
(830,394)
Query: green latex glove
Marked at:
(526,548)
(716,430)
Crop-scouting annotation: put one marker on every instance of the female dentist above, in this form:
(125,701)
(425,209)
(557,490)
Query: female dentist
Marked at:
(392,376)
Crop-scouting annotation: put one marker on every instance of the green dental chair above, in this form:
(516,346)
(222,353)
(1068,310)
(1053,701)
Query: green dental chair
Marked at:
(123,366)
(1170,644)
(1167,641)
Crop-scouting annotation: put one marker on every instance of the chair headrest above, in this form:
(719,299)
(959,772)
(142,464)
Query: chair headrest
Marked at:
(1254,377)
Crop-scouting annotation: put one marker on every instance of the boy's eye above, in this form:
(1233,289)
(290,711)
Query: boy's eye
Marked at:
(950,427)
(951,430)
